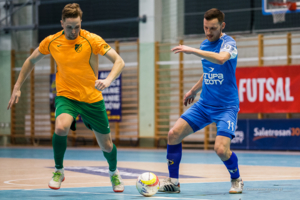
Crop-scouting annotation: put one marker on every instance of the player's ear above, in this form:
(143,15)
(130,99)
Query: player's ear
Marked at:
(62,24)
(223,25)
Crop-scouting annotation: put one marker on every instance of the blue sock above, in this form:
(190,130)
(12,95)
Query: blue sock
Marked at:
(174,153)
(232,166)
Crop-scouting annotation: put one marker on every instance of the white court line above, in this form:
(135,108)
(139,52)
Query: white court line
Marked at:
(180,183)
(119,194)
(244,181)
(133,181)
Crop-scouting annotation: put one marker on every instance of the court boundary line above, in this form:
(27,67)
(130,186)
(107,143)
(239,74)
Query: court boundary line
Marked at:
(133,180)
(180,184)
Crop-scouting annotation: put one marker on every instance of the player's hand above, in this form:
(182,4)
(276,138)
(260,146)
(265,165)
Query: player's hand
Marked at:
(15,96)
(102,84)
(183,49)
(189,98)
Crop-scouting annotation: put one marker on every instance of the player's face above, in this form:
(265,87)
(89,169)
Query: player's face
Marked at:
(213,29)
(71,27)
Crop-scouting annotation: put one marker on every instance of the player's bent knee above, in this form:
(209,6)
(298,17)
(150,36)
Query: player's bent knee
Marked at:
(221,151)
(107,148)
(173,137)
(61,131)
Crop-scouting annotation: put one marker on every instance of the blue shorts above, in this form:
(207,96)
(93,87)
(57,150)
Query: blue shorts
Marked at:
(199,115)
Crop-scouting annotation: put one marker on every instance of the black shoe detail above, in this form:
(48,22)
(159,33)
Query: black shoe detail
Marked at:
(169,188)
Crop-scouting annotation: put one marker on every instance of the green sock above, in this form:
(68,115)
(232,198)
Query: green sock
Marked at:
(111,158)
(59,144)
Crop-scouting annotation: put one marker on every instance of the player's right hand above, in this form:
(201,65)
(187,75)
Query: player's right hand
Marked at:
(189,98)
(15,96)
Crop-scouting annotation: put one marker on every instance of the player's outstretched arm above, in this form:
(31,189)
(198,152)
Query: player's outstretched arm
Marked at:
(25,71)
(217,58)
(190,95)
(116,70)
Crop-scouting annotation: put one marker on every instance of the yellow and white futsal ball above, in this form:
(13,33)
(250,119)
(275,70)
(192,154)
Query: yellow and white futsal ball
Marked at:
(147,184)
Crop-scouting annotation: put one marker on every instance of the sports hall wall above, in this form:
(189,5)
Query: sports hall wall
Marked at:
(174,22)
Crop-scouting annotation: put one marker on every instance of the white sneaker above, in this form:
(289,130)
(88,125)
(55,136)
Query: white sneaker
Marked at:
(58,177)
(167,186)
(116,181)
(236,186)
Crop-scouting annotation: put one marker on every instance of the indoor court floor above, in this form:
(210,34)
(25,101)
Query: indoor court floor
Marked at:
(25,173)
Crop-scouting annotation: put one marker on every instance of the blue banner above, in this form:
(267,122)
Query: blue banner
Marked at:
(275,134)
(241,135)
(112,97)
(268,134)
(52,97)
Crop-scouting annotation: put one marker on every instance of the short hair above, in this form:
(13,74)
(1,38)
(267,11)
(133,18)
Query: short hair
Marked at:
(71,10)
(213,14)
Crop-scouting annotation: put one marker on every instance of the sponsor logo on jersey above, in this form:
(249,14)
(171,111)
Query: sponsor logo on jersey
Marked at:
(213,78)
(105,47)
(78,48)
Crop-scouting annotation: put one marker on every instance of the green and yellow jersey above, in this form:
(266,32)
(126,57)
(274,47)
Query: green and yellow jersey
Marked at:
(77,64)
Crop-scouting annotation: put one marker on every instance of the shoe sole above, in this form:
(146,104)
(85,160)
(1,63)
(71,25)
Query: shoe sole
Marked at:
(170,191)
(53,188)
(118,190)
(235,192)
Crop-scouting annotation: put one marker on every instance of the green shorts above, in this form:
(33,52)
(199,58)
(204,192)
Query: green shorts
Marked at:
(93,115)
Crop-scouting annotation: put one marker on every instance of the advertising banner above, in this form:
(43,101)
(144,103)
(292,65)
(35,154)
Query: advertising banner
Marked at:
(281,134)
(269,89)
(52,97)
(241,135)
(267,134)
(112,97)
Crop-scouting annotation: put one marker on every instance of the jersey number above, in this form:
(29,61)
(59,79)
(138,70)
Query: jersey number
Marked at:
(232,125)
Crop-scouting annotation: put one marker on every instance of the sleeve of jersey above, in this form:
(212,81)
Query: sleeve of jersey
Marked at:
(100,46)
(44,46)
(230,47)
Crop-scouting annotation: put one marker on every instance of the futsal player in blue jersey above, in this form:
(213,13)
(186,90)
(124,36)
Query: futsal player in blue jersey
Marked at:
(218,102)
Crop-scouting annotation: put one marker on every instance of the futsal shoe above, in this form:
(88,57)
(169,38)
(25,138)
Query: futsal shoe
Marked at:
(166,185)
(58,177)
(116,181)
(236,186)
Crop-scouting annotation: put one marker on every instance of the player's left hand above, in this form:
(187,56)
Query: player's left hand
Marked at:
(189,98)
(183,49)
(102,84)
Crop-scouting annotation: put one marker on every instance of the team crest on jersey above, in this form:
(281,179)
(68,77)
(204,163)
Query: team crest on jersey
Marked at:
(105,47)
(78,48)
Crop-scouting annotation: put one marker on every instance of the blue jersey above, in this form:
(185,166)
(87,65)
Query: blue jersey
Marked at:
(219,83)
